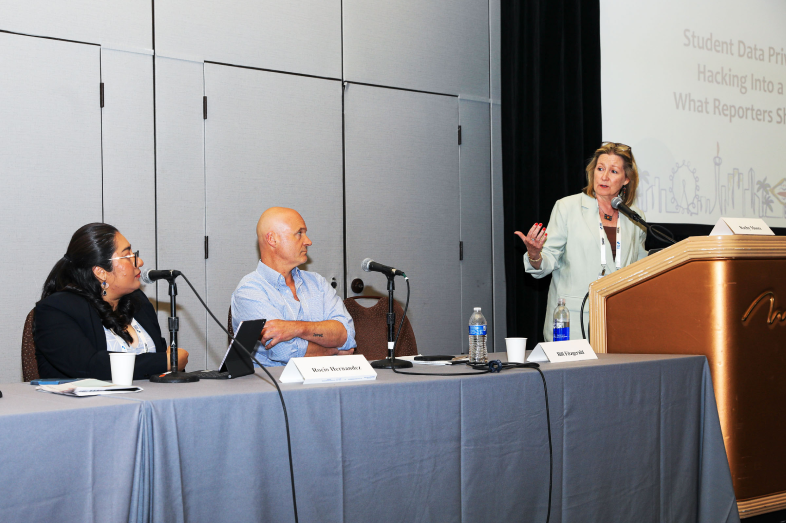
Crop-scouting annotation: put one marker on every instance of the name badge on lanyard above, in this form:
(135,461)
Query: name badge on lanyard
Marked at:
(618,257)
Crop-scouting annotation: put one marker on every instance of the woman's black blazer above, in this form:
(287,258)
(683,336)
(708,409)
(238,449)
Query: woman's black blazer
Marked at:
(70,340)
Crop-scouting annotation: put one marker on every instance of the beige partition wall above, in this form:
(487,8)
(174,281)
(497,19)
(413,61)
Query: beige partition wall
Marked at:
(402,194)
(476,229)
(105,102)
(180,203)
(441,47)
(271,139)
(723,297)
(51,171)
(128,151)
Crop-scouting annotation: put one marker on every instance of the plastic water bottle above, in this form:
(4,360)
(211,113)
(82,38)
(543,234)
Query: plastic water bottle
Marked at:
(561,322)
(477,338)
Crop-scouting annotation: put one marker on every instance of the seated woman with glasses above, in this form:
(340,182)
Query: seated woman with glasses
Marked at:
(91,305)
(587,237)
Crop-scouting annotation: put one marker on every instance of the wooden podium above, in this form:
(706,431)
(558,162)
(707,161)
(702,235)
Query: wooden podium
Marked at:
(723,297)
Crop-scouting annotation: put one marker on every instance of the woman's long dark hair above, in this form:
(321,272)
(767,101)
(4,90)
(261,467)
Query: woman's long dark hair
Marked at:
(91,245)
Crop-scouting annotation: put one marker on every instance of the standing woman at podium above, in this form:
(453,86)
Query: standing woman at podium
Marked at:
(586,237)
(91,304)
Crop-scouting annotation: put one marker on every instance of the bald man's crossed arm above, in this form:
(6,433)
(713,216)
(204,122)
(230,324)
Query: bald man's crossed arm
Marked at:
(324,337)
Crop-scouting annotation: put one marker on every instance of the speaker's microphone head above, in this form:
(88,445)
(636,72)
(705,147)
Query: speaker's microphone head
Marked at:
(616,202)
(144,277)
(365,264)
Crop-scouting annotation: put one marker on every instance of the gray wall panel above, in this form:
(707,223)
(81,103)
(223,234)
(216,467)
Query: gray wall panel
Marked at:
(180,185)
(271,140)
(498,230)
(50,160)
(126,25)
(402,193)
(128,151)
(301,37)
(495,52)
(475,181)
(441,47)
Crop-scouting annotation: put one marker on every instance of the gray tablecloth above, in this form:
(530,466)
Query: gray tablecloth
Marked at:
(635,438)
(69,459)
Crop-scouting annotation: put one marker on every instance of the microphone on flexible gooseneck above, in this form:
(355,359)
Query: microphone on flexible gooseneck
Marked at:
(665,235)
(627,211)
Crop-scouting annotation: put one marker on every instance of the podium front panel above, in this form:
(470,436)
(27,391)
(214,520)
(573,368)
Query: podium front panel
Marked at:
(733,311)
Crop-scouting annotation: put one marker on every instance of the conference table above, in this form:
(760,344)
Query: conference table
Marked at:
(634,438)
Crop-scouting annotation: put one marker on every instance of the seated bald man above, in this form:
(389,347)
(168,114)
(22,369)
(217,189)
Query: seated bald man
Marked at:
(304,315)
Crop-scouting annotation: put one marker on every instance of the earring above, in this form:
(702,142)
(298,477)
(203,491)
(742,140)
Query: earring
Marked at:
(103,284)
(623,192)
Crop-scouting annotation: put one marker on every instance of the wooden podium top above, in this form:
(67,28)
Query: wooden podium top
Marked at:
(691,249)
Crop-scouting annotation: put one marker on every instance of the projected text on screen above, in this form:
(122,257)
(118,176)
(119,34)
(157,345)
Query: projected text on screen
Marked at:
(697,89)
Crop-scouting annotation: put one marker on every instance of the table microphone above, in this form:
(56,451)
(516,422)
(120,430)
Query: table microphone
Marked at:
(148,276)
(370,265)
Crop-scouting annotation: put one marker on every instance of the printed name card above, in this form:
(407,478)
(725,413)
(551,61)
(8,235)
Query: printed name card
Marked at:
(560,351)
(753,226)
(326,369)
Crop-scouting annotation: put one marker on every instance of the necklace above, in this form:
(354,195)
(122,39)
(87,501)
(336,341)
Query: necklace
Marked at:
(607,217)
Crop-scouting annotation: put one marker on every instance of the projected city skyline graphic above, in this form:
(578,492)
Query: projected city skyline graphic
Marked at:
(737,191)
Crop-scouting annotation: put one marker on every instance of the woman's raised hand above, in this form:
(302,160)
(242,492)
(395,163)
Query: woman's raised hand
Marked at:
(534,241)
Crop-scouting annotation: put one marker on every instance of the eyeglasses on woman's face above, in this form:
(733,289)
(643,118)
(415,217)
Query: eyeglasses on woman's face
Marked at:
(134,255)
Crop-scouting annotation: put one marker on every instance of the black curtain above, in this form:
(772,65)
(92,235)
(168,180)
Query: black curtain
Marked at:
(551,125)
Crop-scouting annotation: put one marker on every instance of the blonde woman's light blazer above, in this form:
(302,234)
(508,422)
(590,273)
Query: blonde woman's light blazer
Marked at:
(571,255)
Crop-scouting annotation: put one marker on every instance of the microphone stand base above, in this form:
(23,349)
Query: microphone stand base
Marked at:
(174,377)
(387,363)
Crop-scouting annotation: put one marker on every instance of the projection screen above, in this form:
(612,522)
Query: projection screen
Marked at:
(697,90)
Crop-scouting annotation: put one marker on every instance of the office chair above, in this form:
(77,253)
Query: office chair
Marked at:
(371,329)
(29,362)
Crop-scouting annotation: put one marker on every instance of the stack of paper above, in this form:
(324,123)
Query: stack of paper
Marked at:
(88,387)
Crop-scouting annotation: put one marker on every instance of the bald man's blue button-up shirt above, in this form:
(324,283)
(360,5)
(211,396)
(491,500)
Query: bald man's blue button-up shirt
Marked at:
(264,294)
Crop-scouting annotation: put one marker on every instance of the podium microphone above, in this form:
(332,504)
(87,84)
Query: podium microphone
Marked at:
(627,211)
(665,235)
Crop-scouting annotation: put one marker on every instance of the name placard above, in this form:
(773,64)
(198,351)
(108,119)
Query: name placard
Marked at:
(751,226)
(326,369)
(560,351)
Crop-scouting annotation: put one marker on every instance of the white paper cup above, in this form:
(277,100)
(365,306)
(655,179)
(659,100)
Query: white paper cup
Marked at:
(516,349)
(122,367)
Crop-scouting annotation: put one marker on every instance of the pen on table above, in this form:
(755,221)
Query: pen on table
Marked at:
(52,381)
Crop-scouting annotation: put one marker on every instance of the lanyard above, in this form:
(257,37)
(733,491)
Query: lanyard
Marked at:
(602,233)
